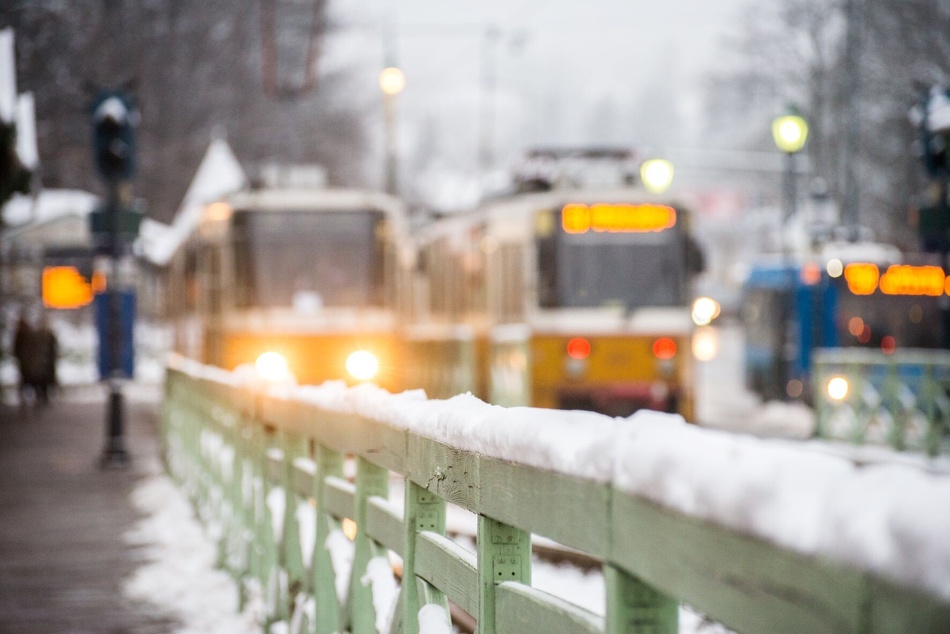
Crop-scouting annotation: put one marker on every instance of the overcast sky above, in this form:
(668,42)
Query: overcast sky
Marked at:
(600,71)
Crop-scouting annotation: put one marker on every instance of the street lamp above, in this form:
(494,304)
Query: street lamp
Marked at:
(789,132)
(392,81)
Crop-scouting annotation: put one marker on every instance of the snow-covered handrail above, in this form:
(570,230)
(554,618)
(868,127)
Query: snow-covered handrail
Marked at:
(763,536)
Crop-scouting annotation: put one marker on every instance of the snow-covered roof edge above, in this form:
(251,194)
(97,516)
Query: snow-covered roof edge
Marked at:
(218,175)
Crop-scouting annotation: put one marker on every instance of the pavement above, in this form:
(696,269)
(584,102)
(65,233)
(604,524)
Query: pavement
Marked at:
(63,558)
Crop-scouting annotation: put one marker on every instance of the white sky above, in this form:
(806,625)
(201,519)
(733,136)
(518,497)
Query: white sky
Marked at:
(602,71)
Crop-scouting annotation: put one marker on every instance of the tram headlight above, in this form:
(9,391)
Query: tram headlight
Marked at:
(272,367)
(837,388)
(705,343)
(362,365)
(657,175)
(705,309)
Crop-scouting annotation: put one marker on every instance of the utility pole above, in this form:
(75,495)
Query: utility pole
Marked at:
(853,133)
(487,98)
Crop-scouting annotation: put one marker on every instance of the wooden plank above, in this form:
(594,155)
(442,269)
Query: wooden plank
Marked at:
(424,511)
(323,579)
(520,608)
(450,473)
(384,524)
(371,481)
(450,568)
(896,610)
(504,554)
(633,607)
(569,510)
(274,468)
(744,583)
(340,498)
(379,443)
(304,472)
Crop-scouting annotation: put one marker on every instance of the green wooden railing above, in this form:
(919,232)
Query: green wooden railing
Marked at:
(899,399)
(243,455)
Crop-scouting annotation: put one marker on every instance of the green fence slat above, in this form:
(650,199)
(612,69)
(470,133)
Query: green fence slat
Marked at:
(504,554)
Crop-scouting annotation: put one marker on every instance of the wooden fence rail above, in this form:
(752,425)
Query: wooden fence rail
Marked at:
(267,475)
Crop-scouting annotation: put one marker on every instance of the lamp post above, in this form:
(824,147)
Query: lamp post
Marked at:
(789,131)
(392,81)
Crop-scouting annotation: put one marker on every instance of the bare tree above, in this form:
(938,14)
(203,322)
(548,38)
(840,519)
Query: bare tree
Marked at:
(794,52)
(193,67)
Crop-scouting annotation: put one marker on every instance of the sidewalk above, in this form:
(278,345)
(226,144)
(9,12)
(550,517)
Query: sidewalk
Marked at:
(62,519)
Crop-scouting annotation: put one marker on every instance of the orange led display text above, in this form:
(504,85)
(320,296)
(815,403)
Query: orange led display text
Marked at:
(617,218)
(898,279)
(862,278)
(902,279)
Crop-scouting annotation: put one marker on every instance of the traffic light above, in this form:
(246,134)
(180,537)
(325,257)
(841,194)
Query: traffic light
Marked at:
(14,177)
(113,125)
(932,116)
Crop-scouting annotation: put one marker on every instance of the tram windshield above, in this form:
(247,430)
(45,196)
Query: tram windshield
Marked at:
(629,269)
(887,321)
(308,259)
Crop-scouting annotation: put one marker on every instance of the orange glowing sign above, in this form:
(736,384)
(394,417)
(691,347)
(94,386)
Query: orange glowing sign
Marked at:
(64,287)
(617,218)
(902,279)
(899,279)
(862,278)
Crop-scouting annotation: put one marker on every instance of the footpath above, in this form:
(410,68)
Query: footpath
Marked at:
(63,558)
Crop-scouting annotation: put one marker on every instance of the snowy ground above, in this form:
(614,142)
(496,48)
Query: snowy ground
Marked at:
(722,401)
(178,576)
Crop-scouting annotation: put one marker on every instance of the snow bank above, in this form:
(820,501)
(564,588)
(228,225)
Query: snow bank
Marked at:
(433,619)
(178,575)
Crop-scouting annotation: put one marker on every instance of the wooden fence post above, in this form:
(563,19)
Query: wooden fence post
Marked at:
(634,607)
(370,480)
(424,511)
(504,554)
(328,610)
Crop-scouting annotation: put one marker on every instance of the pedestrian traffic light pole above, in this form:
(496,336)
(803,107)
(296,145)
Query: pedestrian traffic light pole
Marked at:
(115,453)
(113,145)
(932,117)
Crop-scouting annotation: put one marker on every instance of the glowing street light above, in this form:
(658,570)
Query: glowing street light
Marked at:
(790,132)
(392,81)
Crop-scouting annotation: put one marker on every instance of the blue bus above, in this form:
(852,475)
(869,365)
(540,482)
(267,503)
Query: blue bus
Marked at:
(791,307)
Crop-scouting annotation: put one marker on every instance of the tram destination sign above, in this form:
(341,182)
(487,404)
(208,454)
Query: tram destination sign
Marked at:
(617,217)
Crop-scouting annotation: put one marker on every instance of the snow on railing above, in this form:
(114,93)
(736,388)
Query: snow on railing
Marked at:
(761,535)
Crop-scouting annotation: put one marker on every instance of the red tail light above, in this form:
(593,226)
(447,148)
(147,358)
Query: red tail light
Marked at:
(664,348)
(578,348)
(888,345)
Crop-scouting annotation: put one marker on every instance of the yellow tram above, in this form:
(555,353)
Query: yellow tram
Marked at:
(565,298)
(303,276)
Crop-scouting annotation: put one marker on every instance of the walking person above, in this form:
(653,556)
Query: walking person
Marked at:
(46,350)
(22,352)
